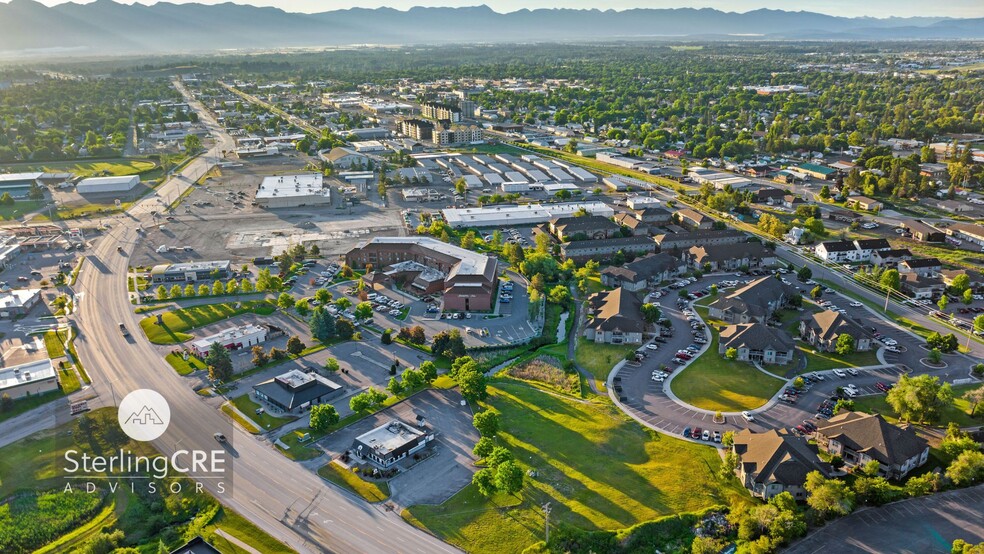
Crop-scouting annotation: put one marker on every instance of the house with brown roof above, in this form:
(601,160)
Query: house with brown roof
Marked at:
(643,272)
(823,329)
(758,343)
(774,462)
(920,287)
(614,318)
(589,227)
(865,203)
(729,257)
(976,278)
(922,232)
(629,221)
(755,302)
(694,220)
(859,438)
(967,231)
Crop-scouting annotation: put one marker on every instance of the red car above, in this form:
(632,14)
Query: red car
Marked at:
(684,355)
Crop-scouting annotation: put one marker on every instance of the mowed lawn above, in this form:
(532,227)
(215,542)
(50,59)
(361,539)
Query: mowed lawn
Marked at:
(599,359)
(822,361)
(598,468)
(959,412)
(713,382)
(177,322)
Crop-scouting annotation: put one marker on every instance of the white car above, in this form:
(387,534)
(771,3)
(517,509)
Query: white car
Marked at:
(853,371)
(652,347)
(840,373)
(856,304)
(748,416)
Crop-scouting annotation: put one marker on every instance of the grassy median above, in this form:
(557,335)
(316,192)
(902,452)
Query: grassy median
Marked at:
(176,323)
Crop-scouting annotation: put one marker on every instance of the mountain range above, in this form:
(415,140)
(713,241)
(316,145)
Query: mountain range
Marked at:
(105,27)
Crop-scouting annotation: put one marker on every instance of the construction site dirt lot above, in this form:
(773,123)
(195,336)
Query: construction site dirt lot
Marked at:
(217,221)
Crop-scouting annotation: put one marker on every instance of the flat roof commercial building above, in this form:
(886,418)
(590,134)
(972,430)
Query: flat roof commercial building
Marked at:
(235,338)
(527,214)
(292,191)
(18,302)
(295,391)
(194,271)
(18,180)
(389,443)
(32,378)
(467,278)
(97,185)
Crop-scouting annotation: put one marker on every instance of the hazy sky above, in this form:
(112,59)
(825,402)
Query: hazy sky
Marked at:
(851,8)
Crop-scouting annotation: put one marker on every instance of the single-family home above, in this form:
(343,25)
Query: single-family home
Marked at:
(922,232)
(865,203)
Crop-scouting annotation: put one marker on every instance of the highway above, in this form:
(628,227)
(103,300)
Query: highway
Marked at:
(280,496)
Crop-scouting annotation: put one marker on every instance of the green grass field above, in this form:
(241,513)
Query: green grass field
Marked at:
(114,167)
(69,380)
(821,361)
(243,422)
(247,406)
(22,405)
(177,322)
(371,491)
(19,208)
(54,343)
(959,412)
(599,359)
(713,382)
(182,366)
(599,470)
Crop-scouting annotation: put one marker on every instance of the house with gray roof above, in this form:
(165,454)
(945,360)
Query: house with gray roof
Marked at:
(758,343)
(823,329)
(615,317)
(755,302)
(774,462)
(859,438)
(642,272)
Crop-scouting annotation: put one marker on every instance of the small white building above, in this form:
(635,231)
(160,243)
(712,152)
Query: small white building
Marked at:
(641,202)
(236,338)
(18,302)
(31,378)
(96,185)
(291,191)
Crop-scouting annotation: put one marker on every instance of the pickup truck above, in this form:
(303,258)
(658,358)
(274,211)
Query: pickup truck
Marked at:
(124,331)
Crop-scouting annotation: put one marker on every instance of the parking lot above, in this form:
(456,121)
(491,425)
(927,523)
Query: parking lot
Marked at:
(451,464)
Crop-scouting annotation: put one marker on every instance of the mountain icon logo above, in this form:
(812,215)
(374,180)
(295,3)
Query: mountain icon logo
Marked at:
(144,415)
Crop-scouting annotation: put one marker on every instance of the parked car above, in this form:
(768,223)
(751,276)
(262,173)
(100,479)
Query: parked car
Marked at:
(748,416)
(840,373)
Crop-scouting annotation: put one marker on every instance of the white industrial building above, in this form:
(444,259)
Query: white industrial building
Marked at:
(235,338)
(18,302)
(641,202)
(527,214)
(31,378)
(292,191)
(96,185)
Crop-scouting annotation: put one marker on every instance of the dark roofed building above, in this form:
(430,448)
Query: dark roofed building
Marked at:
(755,302)
(683,241)
(922,232)
(729,257)
(769,195)
(604,249)
(196,545)
(654,215)
(921,266)
(589,227)
(774,462)
(758,343)
(616,318)
(694,220)
(890,258)
(296,391)
(859,438)
(823,329)
(920,287)
(642,272)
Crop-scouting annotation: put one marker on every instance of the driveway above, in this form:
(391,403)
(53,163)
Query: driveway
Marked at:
(921,525)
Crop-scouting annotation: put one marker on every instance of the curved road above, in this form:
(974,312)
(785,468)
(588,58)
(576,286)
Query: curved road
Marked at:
(279,496)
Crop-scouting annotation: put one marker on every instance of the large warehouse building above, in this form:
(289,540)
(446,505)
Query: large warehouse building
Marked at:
(292,191)
(96,185)
(527,214)
(425,265)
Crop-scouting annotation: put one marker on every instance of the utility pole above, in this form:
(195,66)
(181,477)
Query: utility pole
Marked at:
(888,291)
(546,522)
